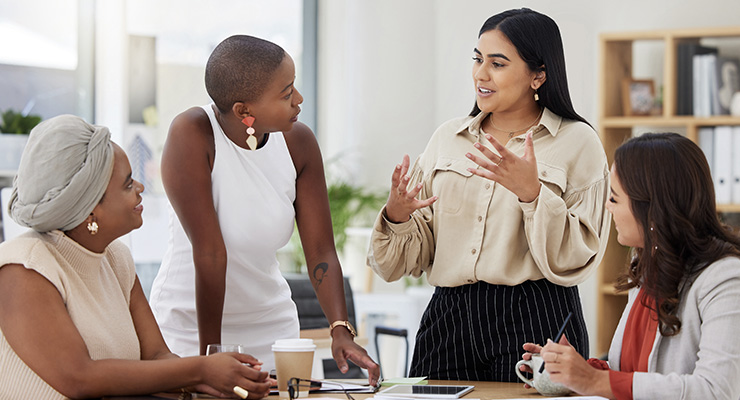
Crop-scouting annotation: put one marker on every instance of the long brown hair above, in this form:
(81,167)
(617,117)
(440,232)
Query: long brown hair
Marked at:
(537,40)
(668,181)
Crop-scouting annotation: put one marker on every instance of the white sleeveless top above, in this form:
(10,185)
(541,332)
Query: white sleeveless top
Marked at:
(253,193)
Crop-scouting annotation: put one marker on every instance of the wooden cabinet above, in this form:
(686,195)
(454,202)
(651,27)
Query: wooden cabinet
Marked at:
(616,63)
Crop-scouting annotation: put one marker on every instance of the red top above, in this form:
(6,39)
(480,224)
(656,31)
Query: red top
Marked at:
(637,343)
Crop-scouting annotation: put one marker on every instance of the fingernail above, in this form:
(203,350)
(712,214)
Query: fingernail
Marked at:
(344,369)
(418,185)
(468,155)
(549,341)
(477,145)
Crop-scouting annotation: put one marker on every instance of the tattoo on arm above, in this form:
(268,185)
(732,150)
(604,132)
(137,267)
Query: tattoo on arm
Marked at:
(319,272)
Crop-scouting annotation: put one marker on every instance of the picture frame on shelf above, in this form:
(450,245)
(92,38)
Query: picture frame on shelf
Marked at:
(638,96)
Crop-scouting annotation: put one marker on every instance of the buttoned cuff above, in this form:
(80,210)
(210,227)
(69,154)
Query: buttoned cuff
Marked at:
(529,208)
(546,198)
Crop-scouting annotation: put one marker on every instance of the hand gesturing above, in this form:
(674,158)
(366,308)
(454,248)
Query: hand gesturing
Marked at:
(401,201)
(518,174)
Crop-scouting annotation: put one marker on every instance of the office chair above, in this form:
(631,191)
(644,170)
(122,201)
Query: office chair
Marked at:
(386,330)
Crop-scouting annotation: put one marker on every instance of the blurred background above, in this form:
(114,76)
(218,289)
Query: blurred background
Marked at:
(378,77)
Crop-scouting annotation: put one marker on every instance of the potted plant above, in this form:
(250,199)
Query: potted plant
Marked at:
(350,205)
(14,130)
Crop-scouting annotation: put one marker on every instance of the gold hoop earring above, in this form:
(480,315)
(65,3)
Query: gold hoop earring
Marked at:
(92,227)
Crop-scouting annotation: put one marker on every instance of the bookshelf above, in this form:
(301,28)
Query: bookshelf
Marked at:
(617,51)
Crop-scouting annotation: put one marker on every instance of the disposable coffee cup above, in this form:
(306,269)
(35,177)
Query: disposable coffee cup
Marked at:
(293,359)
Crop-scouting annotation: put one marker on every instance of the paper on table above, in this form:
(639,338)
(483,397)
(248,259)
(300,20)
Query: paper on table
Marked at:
(376,397)
(419,380)
(328,386)
(565,398)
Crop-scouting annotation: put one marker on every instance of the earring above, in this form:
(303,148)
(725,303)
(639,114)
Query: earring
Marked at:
(92,227)
(536,96)
(251,140)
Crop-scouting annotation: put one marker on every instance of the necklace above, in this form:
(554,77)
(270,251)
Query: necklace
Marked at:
(512,133)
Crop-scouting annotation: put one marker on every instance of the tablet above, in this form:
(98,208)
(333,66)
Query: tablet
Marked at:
(426,391)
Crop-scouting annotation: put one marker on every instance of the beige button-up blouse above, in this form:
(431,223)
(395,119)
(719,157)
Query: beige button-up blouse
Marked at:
(479,231)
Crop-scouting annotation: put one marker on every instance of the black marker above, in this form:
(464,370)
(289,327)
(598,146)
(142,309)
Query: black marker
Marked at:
(557,337)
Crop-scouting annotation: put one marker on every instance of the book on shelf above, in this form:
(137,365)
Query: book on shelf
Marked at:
(736,164)
(705,82)
(685,75)
(715,80)
(722,171)
(706,143)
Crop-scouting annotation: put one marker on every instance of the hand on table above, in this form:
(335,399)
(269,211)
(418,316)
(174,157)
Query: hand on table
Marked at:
(344,348)
(223,371)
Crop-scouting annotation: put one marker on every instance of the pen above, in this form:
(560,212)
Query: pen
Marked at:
(557,337)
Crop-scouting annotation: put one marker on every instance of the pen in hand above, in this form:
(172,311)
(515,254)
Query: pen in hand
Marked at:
(557,337)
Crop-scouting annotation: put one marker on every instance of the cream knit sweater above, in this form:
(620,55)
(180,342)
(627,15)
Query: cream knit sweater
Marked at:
(96,290)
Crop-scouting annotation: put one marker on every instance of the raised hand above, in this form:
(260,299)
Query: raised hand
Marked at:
(402,202)
(518,174)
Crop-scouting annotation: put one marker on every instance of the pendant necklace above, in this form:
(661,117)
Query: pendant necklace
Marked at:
(512,133)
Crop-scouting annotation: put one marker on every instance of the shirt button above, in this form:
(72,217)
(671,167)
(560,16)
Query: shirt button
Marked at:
(544,173)
(488,185)
(480,218)
(473,251)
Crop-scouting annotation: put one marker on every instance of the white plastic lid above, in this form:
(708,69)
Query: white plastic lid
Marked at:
(294,345)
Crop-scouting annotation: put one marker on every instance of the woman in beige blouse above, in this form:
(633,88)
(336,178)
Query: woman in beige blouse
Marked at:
(504,210)
(74,321)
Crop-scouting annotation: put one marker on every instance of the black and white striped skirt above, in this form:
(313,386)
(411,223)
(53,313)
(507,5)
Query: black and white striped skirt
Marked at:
(476,332)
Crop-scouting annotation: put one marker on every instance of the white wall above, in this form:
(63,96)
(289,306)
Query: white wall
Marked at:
(391,71)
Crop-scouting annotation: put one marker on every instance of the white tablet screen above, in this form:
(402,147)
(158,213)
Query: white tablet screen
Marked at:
(427,391)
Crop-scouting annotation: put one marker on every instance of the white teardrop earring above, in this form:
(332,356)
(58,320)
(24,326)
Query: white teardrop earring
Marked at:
(92,227)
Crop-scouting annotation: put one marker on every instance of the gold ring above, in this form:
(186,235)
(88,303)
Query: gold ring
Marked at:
(241,392)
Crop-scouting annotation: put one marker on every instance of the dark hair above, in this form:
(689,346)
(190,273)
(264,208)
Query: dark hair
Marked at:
(537,40)
(667,179)
(240,68)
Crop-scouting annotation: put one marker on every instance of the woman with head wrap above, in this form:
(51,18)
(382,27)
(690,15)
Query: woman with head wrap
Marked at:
(74,321)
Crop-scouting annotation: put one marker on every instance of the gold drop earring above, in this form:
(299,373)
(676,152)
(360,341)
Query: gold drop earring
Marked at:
(251,139)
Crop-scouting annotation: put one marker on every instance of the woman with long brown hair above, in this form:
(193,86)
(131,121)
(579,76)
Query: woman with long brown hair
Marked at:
(504,210)
(677,336)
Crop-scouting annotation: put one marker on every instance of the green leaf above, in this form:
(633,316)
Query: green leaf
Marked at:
(15,122)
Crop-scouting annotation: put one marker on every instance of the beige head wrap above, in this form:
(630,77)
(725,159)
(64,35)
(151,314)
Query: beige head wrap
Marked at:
(64,171)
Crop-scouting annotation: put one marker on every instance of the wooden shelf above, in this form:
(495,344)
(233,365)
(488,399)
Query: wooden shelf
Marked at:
(616,54)
(609,290)
(672,121)
(690,33)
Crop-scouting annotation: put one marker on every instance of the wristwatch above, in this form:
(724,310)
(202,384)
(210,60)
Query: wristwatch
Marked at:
(345,324)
